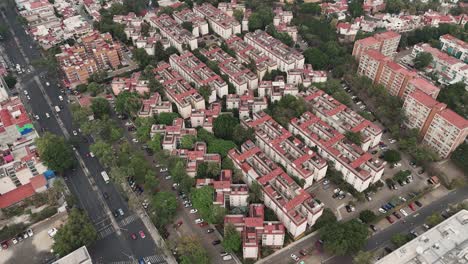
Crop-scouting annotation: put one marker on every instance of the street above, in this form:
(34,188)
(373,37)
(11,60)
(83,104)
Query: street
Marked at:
(84,182)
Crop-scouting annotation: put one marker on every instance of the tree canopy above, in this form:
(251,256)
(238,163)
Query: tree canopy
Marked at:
(344,238)
(128,103)
(232,239)
(326,218)
(10,80)
(456,97)
(367,216)
(165,205)
(460,157)
(192,251)
(392,156)
(422,60)
(354,137)
(100,107)
(56,154)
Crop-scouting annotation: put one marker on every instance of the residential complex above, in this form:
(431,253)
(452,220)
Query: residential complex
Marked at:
(204,118)
(134,83)
(358,167)
(282,23)
(455,47)
(397,80)
(286,57)
(178,36)
(239,75)
(154,106)
(246,53)
(306,76)
(256,233)
(342,118)
(444,243)
(172,134)
(199,24)
(293,206)
(386,43)
(247,104)
(193,70)
(178,91)
(440,128)
(449,69)
(220,22)
(275,90)
(282,147)
(196,156)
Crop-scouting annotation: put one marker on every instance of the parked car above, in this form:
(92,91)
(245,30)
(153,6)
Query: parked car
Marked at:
(426,226)
(402,198)
(419,204)
(411,206)
(210,230)
(30,232)
(199,220)
(402,211)
(390,219)
(216,242)
(133,236)
(414,233)
(373,228)
(142,234)
(397,215)
(382,210)
(193,211)
(162,169)
(325,182)
(337,190)
(52,232)
(294,257)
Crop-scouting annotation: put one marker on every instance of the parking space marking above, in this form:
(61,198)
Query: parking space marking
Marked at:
(128,220)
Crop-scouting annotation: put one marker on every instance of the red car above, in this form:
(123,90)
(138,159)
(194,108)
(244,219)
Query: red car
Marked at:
(179,224)
(411,206)
(5,245)
(133,236)
(202,224)
(142,234)
(390,219)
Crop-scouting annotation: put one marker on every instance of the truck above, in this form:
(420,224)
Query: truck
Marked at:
(57,109)
(105,176)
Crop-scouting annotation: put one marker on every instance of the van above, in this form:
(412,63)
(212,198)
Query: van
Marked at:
(57,109)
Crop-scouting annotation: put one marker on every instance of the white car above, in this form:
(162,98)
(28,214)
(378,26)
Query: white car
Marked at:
(25,92)
(60,98)
(199,220)
(391,140)
(294,257)
(402,198)
(30,232)
(398,164)
(193,211)
(47,115)
(52,232)
(36,116)
(175,185)
(91,154)
(75,133)
(27,97)
(135,140)
(14,241)
(168,177)
(383,211)
(47,83)
(163,170)
(403,212)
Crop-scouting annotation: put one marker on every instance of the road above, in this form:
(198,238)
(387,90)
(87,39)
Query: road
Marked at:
(85,182)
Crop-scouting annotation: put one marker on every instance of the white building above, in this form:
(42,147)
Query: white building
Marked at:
(220,22)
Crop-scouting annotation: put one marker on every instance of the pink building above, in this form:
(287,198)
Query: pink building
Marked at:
(357,166)
(132,84)
(154,105)
(281,146)
(386,43)
(196,156)
(294,207)
(256,232)
(220,22)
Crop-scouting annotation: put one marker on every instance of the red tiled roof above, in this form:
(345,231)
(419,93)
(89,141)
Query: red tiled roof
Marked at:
(253,222)
(38,181)
(16,195)
(425,99)
(454,118)
(425,86)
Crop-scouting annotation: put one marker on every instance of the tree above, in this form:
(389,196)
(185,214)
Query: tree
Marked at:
(192,251)
(354,137)
(460,157)
(310,8)
(77,232)
(94,88)
(205,92)
(456,97)
(187,25)
(165,206)
(394,6)
(241,134)
(97,77)
(232,239)
(10,80)
(392,156)
(344,238)
(255,193)
(238,15)
(367,216)
(127,103)
(223,126)
(142,57)
(355,8)
(363,257)
(56,154)
(434,219)
(167,118)
(317,58)
(155,143)
(220,146)
(422,60)
(143,128)
(401,175)
(104,152)
(188,141)
(326,218)
(145,28)
(202,199)
(100,107)
(400,239)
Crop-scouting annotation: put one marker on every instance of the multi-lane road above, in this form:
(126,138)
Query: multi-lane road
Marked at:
(115,244)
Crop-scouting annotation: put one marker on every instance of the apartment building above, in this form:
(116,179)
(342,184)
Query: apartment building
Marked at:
(103,49)
(357,166)
(226,193)
(306,76)
(178,37)
(386,42)
(204,118)
(397,80)
(134,83)
(246,54)
(230,7)
(195,71)
(440,128)
(455,47)
(221,23)
(449,69)
(172,134)
(373,6)
(282,147)
(196,156)
(256,233)
(21,170)
(293,206)
(247,104)
(275,90)
(199,24)
(239,75)
(282,22)
(342,118)
(39,12)
(178,91)
(286,57)
(154,106)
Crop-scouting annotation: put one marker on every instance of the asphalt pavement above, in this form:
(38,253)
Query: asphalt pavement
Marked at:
(114,245)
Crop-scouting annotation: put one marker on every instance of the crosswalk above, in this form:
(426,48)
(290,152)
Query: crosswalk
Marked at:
(155,259)
(104,232)
(128,220)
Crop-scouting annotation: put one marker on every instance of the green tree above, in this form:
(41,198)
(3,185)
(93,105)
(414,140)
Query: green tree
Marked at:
(434,219)
(400,239)
(310,8)
(10,80)
(392,156)
(460,157)
(355,8)
(317,58)
(354,137)
(241,134)
(165,206)
(167,118)
(220,146)
(202,199)
(326,218)
(128,103)
(363,257)
(394,6)
(143,128)
(223,126)
(255,193)
(104,152)
(145,28)
(192,251)
(401,175)
(100,107)
(56,154)
(187,25)
(97,77)
(142,57)
(238,15)
(344,238)
(205,92)
(367,216)
(232,239)
(155,143)
(94,88)
(188,141)
(456,97)
(422,60)
(78,231)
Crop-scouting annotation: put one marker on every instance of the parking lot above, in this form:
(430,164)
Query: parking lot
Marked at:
(37,247)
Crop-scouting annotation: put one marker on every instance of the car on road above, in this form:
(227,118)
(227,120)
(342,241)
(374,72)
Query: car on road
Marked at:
(163,170)
(294,257)
(193,211)
(120,211)
(36,117)
(216,242)
(106,195)
(227,257)
(390,219)
(133,236)
(75,133)
(419,204)
(397,215)
(303,252)
(91,154)
(210,230)
(175,185)
(411,206)
(30,232)
(15,241)
(60,98)
(403,212)
(47,115)
(52,232)
(402,198)
(391,140)
(414,233)
(199,220)
(27,97)
(47,83)
(142,234)
(25,92)
(168,177)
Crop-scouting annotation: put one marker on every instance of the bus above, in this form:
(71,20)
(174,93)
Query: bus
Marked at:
(105,176)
